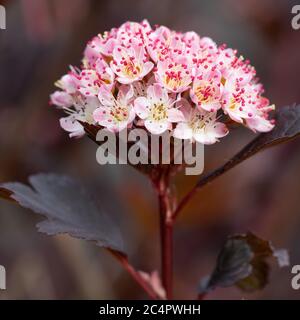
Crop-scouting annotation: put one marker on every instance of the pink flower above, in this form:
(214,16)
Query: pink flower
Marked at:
(239,95)
(260,124)
(68,82)
(133,30)
(130,64)
(157,110)
(192,40)
(71,125)
(164,43)
(199,125)
(175,76)
(82,110)
(90,80)
(61,99)
(259,121)
(115,114)
(206,91)
(136,69)
(100,45)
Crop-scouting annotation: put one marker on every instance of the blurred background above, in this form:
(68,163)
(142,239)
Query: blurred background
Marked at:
(262,195)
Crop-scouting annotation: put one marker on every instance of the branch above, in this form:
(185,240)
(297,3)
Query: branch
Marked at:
(134,274)
(287,128)
(166,230)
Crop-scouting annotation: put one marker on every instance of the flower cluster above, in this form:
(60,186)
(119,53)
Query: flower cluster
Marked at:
(162,80)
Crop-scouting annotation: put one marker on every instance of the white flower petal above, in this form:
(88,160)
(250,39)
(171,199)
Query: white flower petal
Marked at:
(183,131)
(141,107)
(156,127)
(175,115)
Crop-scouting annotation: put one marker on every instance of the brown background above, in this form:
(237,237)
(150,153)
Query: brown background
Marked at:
(262,195)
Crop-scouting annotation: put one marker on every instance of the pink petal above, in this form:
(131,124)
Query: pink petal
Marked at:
(107,48)
(148,66)
(100,114)
(141,107)
(125,80)
(156,127)
(219,130)
(70,124)
(183,131)
(105,97)
(259,124)
(125,94)
(185,107)
(211,106)
(156,92)
(69,83)
(205,138)
(131,116)
(175,115)
(61,99)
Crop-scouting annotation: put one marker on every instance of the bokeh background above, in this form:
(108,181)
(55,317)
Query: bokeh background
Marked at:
(262,195)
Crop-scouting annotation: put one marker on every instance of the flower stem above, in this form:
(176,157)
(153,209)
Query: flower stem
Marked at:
(134,273)
(166,234)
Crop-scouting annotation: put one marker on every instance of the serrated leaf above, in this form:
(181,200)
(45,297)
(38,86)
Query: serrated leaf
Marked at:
(243,262)
(287,127)
(68,208)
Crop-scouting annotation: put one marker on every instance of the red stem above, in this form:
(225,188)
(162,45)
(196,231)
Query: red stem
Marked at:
(134,274)
(185,201)
(166,232)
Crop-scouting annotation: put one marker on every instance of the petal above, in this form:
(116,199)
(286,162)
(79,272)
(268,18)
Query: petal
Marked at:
(69,83)
(141,107)
(92,103)
(117,127)
(204,138)
(211,106)
(70,124)
(131,116)
(183,131)
(175,115)
(259,124)
(61,99)
(107,48)
(118,53)
(106,98)
(156,92)
(125,94)
(148,66)
(156,127)
(185,107)
(125,80)
(139,52)
(235,117)
(218,130)
(100,114)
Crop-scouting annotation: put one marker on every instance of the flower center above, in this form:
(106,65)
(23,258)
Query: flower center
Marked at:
(177,77)
(119,113)
(159,112)
(131,69)
(199,122)
(232,104)
(205,92)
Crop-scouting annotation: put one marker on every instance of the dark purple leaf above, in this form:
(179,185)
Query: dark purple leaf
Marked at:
(243,262)
(68,208)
